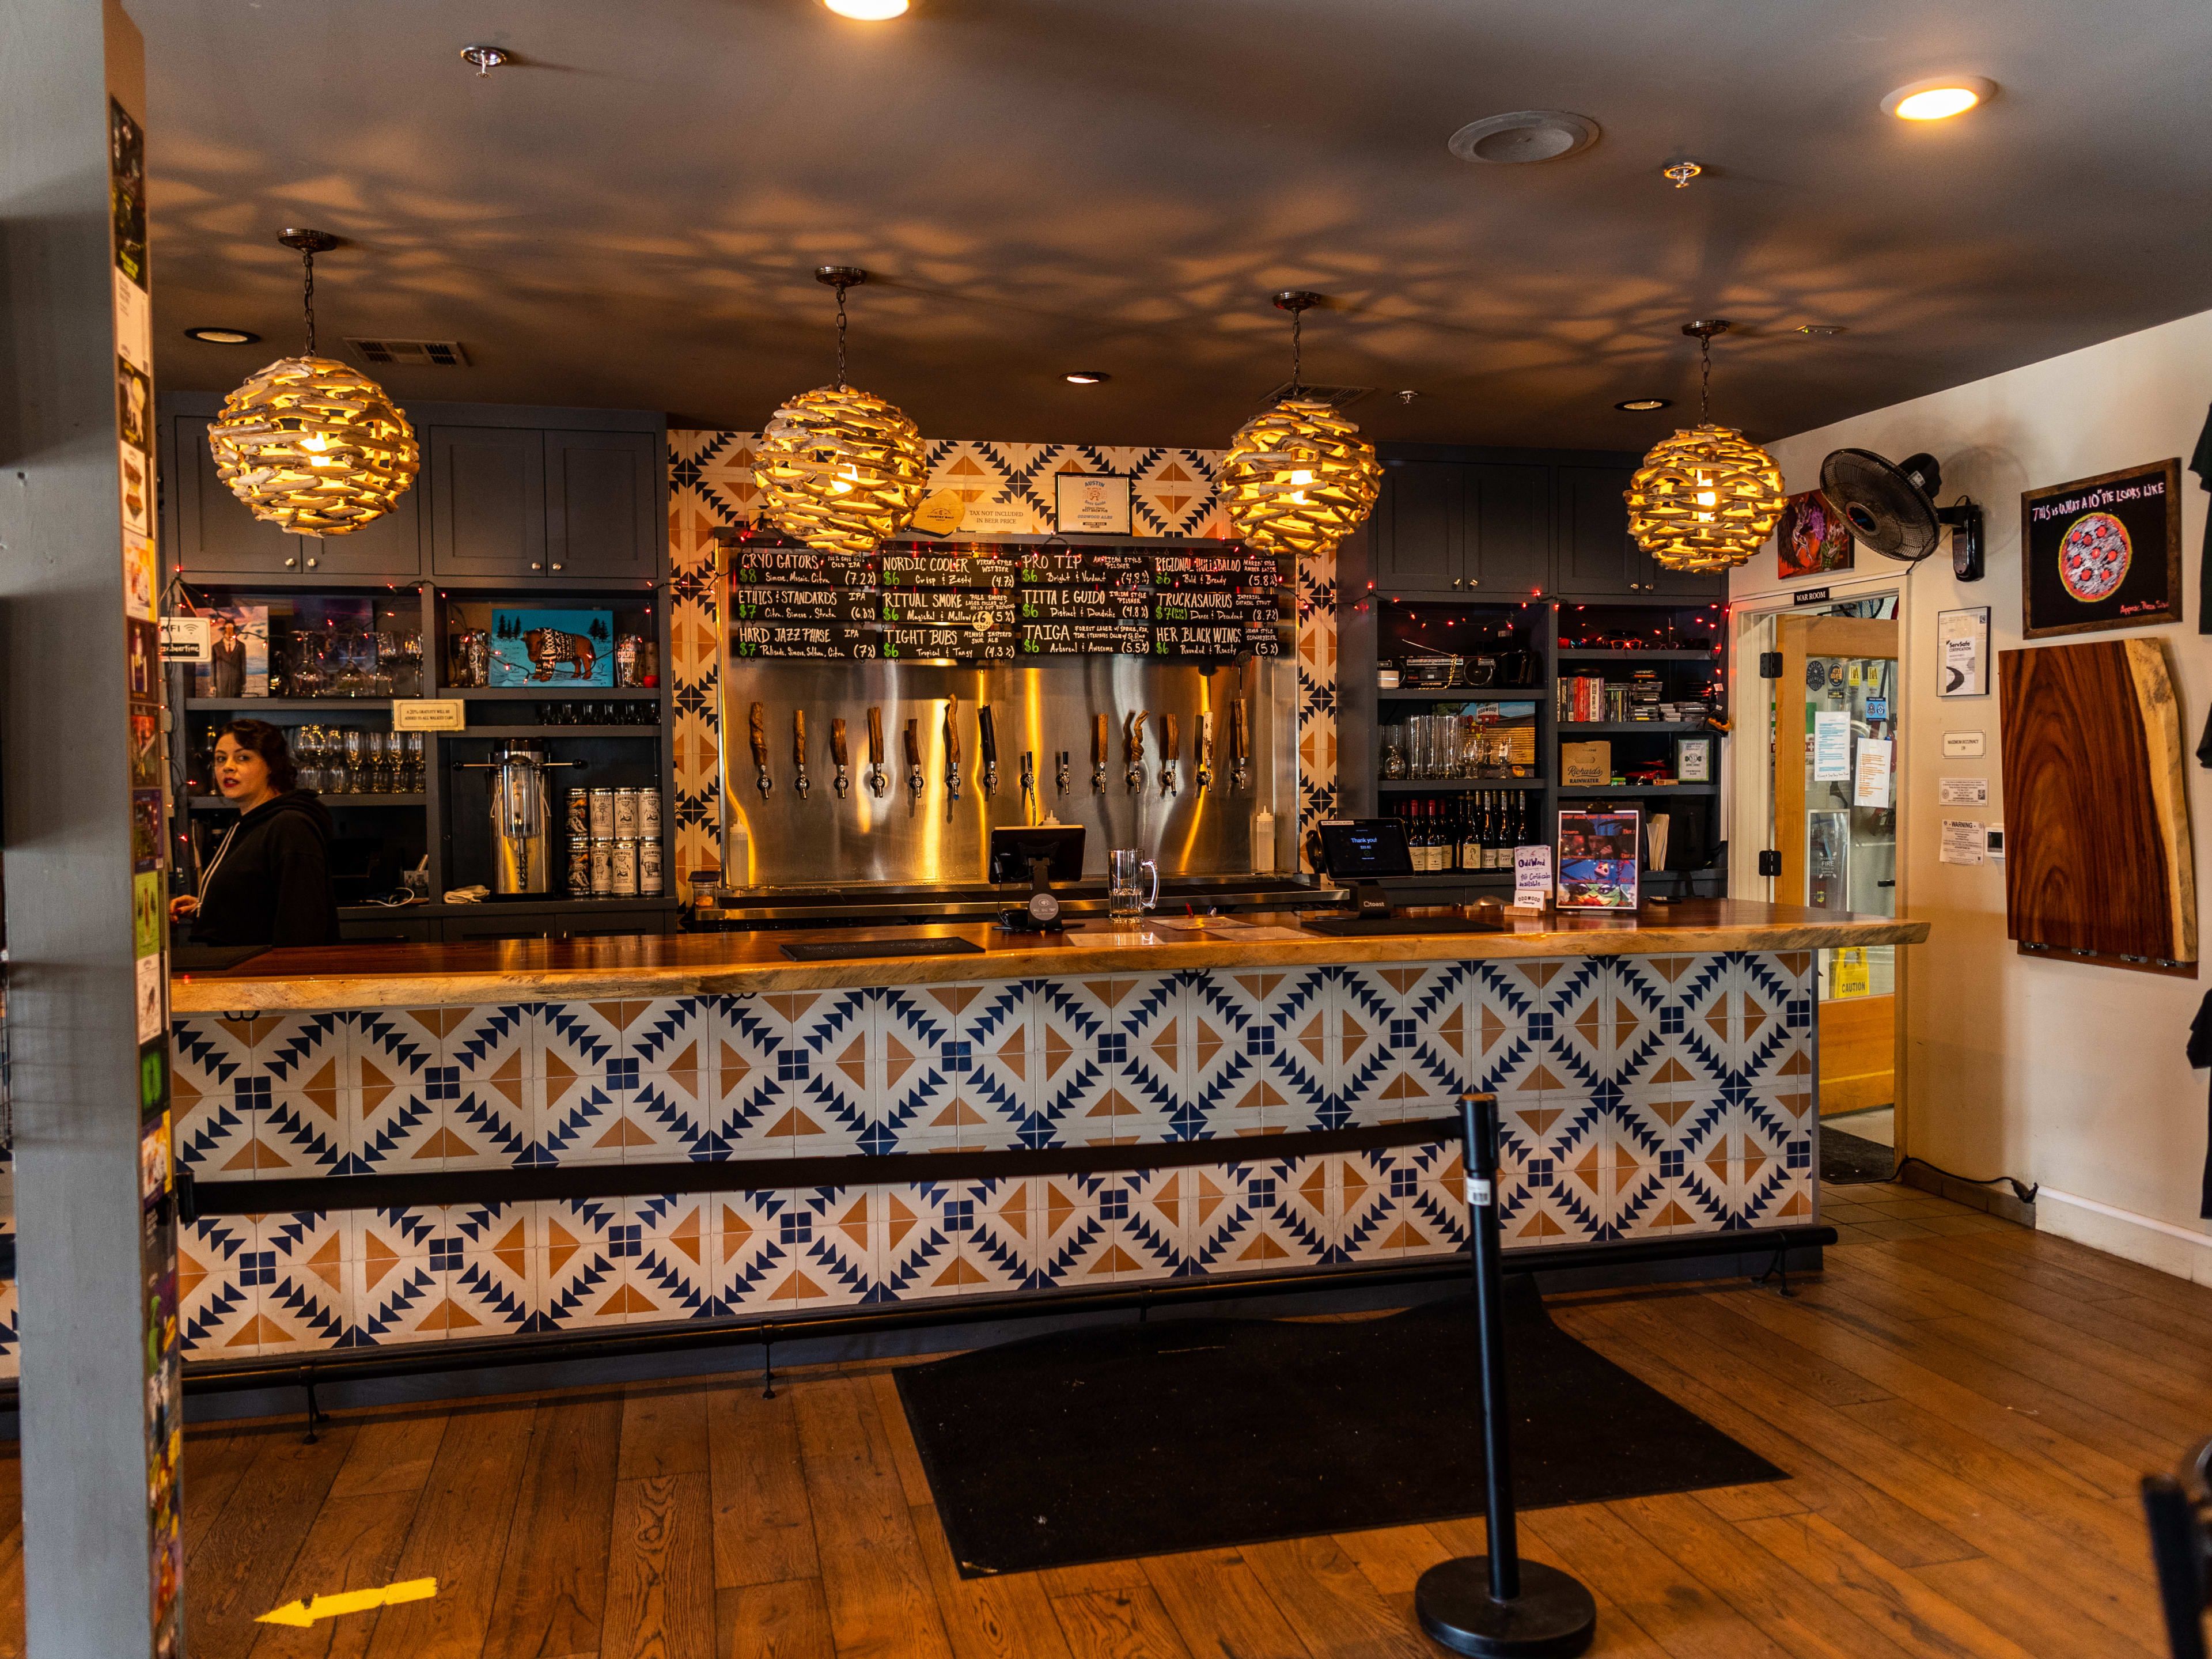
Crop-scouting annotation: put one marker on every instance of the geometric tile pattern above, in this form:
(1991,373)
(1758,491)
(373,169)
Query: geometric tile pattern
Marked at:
(1641,1096)
(712,485)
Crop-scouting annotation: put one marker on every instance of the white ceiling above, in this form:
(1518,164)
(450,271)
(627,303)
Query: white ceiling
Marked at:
(631,216)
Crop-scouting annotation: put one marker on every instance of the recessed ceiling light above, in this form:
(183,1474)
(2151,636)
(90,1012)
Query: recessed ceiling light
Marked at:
(867,11)
(1819,328)
(1639,405)
(222,335)
(1086,376)
(1526,135)
(1938,97)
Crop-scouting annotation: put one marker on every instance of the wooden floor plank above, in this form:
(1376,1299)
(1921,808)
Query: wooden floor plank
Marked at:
(1006,1616)
(1118,1624)
(214,1464)
(881,1602)
(551,1597)
(1218,1606)
(763,1530)
(1092,1577)
(2021,1605)
(1324,1597)
(661,1570)
(892,1411)
(2190,1301)
(459,1537)
(789,1620)
(1687,1620)
(1392,1558)
(239,1570)
(1821,1484)
(354,1544)
(1784,1607)
(1618,1636)
(664,1430)
(1889,1597)
(391,1452)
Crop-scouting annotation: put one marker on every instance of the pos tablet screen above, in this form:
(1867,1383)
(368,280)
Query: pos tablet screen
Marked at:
(1366,849)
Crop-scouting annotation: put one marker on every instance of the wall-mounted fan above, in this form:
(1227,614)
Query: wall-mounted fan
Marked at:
(1891,507)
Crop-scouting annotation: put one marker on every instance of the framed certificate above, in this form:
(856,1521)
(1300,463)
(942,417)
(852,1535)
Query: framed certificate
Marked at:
(1693,760)
(1090,504)
(1962,648)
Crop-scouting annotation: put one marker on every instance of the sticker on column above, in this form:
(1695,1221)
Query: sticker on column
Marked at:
(149,998)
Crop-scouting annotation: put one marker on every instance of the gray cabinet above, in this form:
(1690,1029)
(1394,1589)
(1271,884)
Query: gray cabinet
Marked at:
(603,511)
(1420,528)
(210,532)
(1510,551)
(517,501)
(488,507)
(1596,554)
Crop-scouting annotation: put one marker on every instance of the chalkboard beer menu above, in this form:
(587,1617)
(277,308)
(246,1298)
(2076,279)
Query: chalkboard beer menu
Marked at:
(991,603)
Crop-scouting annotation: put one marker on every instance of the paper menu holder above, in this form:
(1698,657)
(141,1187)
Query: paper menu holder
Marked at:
(1532,878)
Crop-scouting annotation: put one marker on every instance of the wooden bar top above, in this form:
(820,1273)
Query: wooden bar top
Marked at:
(342,976)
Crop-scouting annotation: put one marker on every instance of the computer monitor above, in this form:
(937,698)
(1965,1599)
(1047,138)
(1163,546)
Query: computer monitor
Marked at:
(1014,851)
(1366,849)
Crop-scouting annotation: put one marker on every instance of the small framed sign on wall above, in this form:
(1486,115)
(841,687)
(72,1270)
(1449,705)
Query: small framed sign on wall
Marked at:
(1094,504)
(2103,552)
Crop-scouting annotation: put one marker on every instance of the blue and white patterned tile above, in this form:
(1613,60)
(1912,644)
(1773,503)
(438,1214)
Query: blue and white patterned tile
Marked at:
(913,1081)
(305,1051)
(582,1280)
(1276,1217)
(394,1045)
(218,1280)
(213,1123)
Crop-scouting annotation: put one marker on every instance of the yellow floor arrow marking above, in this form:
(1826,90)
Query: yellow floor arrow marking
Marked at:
(304,1613)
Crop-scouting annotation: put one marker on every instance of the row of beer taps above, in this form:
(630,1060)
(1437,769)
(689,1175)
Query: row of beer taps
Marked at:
(1169,731)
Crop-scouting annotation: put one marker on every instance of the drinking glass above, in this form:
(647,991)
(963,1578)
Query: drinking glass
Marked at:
(355,748)
(1394,751)
(414,763)
(1127,899)
(379,744)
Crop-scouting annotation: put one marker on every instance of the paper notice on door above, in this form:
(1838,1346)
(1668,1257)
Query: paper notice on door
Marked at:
(1964,842)
(1870,784)
(1964,791)
(1832,748)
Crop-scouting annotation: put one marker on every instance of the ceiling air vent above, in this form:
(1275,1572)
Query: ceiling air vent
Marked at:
(1336,397)
(415,354)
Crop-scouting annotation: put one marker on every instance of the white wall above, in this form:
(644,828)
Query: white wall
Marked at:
(2071,1075)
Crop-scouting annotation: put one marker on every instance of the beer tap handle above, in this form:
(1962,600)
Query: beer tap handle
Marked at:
(875,737)
(1173,741)
(987,737)
(1136,739)
(1204,749)
(837,742)
(1097,740)
(1240,735)
(759,735)
(914,748)
(951,732)
(799,739)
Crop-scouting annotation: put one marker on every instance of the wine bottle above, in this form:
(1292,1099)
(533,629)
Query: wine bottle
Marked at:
(1470,843)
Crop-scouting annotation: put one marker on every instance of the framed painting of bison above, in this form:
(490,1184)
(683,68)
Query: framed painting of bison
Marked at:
(549,649)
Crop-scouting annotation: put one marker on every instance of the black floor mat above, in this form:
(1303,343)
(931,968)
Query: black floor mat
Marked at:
(1848,1160)
(1097,1444)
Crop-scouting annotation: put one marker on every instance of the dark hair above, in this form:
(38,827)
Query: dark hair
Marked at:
(268,742)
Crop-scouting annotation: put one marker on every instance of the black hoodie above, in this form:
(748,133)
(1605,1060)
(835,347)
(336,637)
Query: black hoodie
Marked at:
(269,882)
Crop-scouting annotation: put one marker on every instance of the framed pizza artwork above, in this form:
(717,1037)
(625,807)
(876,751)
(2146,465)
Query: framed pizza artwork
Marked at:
(2103,552)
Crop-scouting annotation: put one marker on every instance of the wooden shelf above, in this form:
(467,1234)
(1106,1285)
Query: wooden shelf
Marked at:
(1433,786)
(553,693)
(1626,728)
(216,803)
(1567,655)
(1463,694)
(291,705)
(556,731)
(1450,879)
(1591,792)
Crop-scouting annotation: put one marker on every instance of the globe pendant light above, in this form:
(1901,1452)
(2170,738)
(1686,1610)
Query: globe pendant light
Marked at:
(1298,477)
(309,443)
(841,470)
(1705,499)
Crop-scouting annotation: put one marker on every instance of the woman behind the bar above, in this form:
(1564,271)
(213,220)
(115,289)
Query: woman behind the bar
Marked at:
(269,882)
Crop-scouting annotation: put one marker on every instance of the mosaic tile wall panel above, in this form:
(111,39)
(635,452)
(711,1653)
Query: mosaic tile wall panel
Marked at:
(1642,1096)
(712,485)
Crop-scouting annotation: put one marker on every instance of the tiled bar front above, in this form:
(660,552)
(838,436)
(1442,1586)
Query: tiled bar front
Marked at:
(1641,1096)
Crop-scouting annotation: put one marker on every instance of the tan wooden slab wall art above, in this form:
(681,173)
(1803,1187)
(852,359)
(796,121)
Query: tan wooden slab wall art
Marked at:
(2099,866)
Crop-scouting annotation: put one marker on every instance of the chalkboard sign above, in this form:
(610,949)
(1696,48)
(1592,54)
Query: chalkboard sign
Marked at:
(2102,552)
(926,570)
(994,644)
(1232,570)
(752,565)
(1085,621)
(1095,567)
(774,641)
(803,604)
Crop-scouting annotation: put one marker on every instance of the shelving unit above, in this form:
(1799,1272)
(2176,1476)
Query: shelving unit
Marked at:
(468,535)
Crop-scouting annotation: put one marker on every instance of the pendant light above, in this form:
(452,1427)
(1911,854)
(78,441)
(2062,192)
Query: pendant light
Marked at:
(1705,499)
(1298,477)
(841,469)
(310,443)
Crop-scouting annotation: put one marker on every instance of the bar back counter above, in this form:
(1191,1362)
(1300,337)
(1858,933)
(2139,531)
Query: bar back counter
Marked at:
(404,1144)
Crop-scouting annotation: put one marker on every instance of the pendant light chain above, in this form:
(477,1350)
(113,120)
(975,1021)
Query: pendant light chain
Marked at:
(841,335)
(1297,358)
(1705,375)
(308,293)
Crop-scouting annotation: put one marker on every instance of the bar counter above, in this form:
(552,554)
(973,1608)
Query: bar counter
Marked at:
(404,1143)
(467,973)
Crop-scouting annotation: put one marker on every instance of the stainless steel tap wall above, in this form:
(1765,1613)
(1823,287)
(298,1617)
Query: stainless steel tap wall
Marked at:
(1043,707)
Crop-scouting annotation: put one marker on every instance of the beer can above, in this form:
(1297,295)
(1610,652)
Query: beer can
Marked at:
(579,814)
(648,814)
(648,867)
(603,814)
(625,814)
(580,867)
(622,866)
(603,866)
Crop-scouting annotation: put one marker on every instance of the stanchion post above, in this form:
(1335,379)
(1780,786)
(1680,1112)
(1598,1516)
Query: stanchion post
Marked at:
(1496,1605)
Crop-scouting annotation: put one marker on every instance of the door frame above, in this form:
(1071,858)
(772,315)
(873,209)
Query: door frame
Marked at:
(1750,802)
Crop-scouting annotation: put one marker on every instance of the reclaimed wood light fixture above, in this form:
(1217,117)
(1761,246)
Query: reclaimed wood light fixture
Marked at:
(1707,498)
(309,443)
(841,469)
(1299,477)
